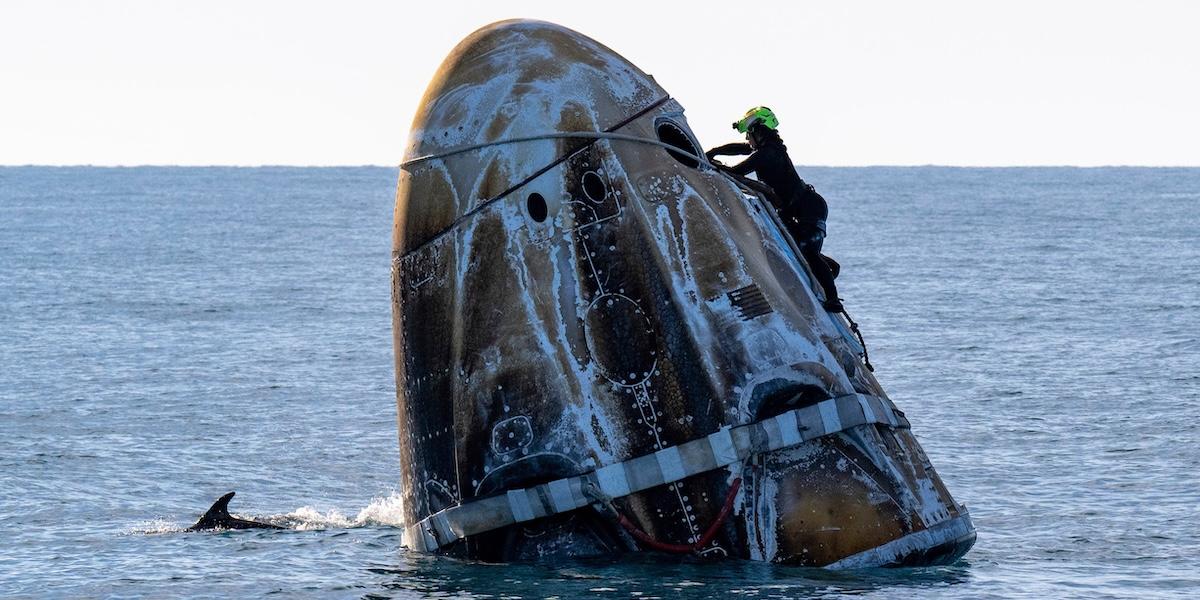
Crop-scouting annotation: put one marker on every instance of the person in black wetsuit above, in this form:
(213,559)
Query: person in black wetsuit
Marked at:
(802,210)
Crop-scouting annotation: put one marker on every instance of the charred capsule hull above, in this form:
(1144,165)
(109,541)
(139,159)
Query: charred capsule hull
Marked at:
(584,317)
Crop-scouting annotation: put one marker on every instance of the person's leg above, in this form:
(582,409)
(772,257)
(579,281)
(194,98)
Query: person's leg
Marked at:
(834,267)
(809,240)
(811,250)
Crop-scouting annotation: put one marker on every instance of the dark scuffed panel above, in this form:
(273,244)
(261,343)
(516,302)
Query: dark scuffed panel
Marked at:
(640,339)
(429,208)
(424,390)
(512,390)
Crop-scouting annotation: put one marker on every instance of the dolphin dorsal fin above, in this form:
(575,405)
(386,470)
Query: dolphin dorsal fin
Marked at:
(221,506)
(216,516)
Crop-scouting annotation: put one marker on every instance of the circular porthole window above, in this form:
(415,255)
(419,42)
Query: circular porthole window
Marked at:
(673,135)
(536,205)
(594,188)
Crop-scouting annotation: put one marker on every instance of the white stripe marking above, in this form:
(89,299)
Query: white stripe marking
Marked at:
(671,464)
(425,537)
(889,413)
(789,427)
(722,446)
(442,526)
(829,416)
(613,481)
(518,503)
(774,437)
(560,494)
(868,414)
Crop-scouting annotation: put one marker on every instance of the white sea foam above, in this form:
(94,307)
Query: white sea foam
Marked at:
(158,525)
(380,511)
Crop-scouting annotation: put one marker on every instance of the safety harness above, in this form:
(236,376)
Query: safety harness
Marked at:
(720,449)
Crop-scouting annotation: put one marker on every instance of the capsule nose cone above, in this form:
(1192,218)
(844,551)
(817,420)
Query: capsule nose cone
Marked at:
(518,76)
(509,81)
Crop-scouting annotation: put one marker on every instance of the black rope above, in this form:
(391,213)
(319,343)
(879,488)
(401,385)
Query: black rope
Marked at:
(566,155)
(561,159)
(861,341)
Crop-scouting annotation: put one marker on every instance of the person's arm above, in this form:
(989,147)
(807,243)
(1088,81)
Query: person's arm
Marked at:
(734,149)
(746,166)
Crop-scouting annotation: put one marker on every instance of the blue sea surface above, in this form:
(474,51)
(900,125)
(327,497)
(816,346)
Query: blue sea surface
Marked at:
(171,334)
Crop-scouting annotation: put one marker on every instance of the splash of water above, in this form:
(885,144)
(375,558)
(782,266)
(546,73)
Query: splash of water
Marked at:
(380,512)
(152,526)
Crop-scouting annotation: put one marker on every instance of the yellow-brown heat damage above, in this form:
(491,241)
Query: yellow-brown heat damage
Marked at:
(562,303)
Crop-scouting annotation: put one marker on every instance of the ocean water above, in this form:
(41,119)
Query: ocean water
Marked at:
(170,334)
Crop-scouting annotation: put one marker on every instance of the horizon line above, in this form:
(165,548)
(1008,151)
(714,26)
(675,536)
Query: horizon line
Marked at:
(397,166)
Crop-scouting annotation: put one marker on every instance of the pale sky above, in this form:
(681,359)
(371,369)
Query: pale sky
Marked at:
(854,83)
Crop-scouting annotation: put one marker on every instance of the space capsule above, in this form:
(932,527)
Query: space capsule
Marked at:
(604,344)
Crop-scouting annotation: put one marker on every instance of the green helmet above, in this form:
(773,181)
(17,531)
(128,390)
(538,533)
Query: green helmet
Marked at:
(758,114)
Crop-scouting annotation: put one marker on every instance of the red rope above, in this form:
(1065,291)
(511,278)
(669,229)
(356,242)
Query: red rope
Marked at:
(708,536)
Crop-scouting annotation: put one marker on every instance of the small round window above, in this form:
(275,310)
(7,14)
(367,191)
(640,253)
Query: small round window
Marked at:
(536,205)
(673,135)
(594,188)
